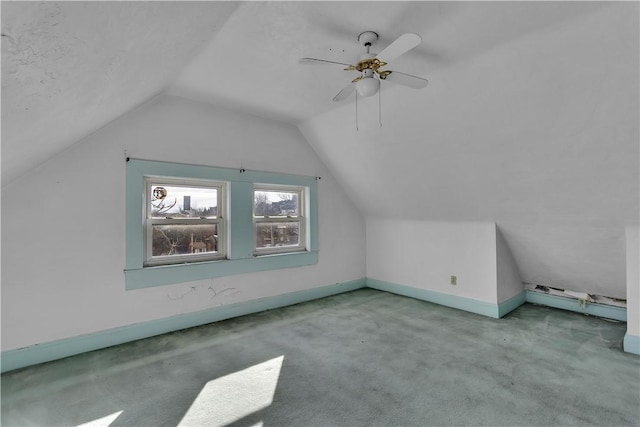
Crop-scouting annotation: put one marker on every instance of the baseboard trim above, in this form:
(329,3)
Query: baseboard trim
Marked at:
(571,304)
(631,344)
(461,303)
(507,306)
(53,350)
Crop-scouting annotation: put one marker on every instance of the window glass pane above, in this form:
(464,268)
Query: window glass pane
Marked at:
(277,234)
(275,203)
(180,239)
(182,202)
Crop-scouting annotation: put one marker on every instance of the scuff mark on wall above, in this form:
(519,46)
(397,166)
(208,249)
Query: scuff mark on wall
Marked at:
(192,289)
(211,290)
(227,291)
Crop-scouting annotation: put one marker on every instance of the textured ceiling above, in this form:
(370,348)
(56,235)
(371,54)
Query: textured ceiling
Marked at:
(69,68)
(253,64)
(530,118)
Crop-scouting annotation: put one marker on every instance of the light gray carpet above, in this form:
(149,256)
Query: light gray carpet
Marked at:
(358,359)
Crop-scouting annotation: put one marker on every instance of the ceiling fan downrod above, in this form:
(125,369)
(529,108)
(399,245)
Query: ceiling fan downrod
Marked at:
(367,38)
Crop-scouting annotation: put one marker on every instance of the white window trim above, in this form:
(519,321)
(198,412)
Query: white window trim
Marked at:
(301,218)
(219,220)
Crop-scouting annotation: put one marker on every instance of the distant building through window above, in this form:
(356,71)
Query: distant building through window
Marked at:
(183,223)
(279,220)
(190,222)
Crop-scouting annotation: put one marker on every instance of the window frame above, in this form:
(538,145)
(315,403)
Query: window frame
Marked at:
(300,218)
(219,220)
(239,222)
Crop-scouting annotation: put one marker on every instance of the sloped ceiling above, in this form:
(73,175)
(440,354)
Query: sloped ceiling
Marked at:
(69,68)
(537,131)
(530,118)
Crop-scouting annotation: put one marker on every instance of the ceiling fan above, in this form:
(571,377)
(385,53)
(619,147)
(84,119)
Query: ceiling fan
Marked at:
(369,66)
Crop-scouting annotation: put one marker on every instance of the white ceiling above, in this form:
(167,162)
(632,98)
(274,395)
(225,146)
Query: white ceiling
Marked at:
(536,130)
(530,118)
(253,63)
(69,68)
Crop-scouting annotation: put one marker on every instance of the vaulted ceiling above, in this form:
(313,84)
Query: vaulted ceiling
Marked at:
(530,118)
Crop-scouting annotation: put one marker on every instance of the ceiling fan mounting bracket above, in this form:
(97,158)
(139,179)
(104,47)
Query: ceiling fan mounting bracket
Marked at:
(367,64)
(367,37)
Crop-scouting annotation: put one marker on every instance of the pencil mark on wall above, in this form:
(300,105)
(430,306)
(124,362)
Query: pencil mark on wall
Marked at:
(225,291)
(211,289)
(182,295)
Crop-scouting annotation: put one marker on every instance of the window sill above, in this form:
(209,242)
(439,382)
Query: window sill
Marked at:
(151,264)
(288,251)
(139,278)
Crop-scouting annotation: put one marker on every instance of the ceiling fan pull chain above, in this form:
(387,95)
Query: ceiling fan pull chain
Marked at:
(357,111)
(380,106)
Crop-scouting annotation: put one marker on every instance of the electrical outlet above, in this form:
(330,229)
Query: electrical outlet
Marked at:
(454,280)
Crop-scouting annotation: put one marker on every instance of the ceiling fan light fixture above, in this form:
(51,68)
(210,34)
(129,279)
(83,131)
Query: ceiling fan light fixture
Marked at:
(367,86)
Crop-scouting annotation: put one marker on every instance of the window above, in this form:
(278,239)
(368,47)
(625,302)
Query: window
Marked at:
(278,217)
(184,221)
(191,222)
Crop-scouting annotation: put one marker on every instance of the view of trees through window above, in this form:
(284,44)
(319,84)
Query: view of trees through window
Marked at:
(183,219)
(210,220)
(273,234)
(180,239)
(272,209)
(275,203)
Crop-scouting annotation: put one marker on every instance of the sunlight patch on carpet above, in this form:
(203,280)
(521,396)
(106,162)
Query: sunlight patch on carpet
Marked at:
(235,396)
(104,421)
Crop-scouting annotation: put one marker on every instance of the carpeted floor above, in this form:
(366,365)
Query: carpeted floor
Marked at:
(364,358)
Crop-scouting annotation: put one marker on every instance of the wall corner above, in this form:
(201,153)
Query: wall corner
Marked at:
(509,286)
(632,338)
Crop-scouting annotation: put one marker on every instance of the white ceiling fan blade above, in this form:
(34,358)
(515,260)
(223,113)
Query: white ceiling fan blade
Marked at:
(402,44)
(406,80)
(345,92)
(322,61)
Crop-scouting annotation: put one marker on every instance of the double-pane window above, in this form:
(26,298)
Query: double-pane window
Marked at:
(279,220)
(192,222)
(184,221)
